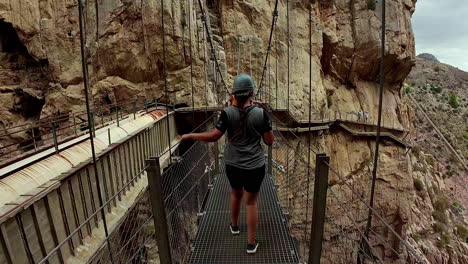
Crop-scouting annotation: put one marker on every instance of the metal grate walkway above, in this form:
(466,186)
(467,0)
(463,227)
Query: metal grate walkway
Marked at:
(214,242)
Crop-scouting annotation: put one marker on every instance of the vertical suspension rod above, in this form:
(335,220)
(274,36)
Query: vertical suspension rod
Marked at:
(90,126)
(276,70)
(379,120)
(191,60)
(275,15)
(287,22)
(212,46)
(165,79)
(310,117)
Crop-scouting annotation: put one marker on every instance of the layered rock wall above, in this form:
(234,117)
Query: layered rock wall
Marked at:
(125,60)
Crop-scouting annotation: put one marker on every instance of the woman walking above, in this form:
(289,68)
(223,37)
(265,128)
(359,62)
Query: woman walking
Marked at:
(244,157)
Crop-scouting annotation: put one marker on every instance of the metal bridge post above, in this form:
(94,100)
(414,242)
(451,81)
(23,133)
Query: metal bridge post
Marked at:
(91,123)
(117,115)
(34,138)
(319,206)
(270,160)
(54,134)
(74,124)
(153,172)
(216,146)
(134,110)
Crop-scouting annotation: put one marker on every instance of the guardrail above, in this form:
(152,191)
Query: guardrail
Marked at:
(55,130)
(61,221)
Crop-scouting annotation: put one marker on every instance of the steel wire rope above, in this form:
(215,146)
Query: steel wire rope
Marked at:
(343,179)
(276,70)
(191,60)
(346,210)
(89,113)
(213,52)
(343,231)
(379,118)
(178,143)
(275,15)
(86,221)
(139,249)
(310,115)
(165,78)
(288,43)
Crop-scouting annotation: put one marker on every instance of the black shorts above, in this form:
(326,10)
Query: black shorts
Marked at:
(250,180)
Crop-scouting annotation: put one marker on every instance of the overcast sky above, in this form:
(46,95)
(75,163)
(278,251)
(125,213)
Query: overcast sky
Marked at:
(441,28)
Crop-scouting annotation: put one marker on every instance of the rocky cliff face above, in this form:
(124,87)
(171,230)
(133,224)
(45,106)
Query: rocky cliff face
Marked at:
(125,59)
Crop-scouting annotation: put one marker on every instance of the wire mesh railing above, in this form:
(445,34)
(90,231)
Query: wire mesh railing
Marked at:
(179,194)
(293,175)
(383,241)
(128,236)
(344,238)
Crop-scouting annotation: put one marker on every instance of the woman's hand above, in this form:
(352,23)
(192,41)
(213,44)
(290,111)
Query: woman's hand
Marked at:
(187,137)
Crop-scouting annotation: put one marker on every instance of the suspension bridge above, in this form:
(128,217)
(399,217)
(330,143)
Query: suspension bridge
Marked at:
(115,184)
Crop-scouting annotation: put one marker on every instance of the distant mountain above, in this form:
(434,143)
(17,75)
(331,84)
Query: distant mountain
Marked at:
(428,56)
(442,90)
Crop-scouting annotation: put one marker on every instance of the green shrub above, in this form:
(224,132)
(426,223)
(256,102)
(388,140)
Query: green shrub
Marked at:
(442,204)
(444,240)
(439,227)
(425,232)
(437,68)
(413,84)
(462,231)
(416,237)
(436,89)
(440,216)
(453,101)
(418,185)
(329,101)
(371,5)
(407,90)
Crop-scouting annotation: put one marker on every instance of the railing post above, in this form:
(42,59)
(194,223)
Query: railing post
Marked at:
(91,123)
(319,206)
(74,124)
(155,104)
(54,134)
(134,110)
(109,135)
(216,146)
(117,116)
(270,160)
(153,172)
(33,137)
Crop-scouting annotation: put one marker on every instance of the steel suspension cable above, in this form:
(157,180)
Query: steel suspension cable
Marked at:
(213,53)
(276,70)
(379,119)
(165,79)
(84,68)
(310,113)
(288,35)
(275,16)
(191,61)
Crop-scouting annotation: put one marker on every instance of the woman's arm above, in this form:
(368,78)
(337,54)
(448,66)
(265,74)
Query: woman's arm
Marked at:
(269,138)
(210,136)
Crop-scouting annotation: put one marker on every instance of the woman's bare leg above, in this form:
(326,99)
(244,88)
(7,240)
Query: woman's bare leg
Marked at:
(252,216)
(236,199)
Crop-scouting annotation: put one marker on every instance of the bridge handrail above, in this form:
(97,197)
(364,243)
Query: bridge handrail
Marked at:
(59,135)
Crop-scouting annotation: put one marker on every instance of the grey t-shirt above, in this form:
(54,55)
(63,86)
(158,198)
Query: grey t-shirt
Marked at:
(244,149)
